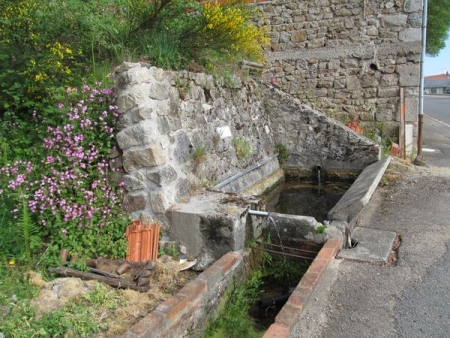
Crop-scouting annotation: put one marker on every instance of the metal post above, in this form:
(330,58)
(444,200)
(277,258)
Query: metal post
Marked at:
(422,60)
(402,143)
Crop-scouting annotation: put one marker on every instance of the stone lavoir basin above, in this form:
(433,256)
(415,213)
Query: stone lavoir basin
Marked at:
(235,219)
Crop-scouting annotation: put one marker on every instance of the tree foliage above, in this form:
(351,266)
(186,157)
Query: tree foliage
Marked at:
(438,25)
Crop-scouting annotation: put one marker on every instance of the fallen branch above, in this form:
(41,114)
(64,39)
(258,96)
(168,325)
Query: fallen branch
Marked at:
(104,273)
(116,282)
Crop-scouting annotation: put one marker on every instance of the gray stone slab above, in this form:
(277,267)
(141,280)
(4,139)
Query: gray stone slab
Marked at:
(358,195)
(373,246)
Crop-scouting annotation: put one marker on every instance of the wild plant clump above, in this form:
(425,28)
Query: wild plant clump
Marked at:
(68,197)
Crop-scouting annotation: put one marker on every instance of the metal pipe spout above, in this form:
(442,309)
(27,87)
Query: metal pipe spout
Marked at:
(258,213)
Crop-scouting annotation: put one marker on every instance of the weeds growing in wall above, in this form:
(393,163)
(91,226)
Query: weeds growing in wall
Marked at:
(282,151)
(243,148)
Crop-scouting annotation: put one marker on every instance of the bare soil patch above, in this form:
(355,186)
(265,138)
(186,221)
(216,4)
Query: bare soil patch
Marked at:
(132,305)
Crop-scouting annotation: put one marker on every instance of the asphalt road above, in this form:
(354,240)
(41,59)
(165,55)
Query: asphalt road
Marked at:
(436,131)
(437,106)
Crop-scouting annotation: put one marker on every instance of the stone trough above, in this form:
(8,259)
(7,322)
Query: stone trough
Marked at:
(214,226)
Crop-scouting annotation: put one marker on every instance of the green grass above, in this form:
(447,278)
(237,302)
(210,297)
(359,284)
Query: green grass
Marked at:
(75,319)
(234,319)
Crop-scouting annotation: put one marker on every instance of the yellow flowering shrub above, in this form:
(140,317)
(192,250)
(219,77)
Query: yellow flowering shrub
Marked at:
(229,27)
(17,15)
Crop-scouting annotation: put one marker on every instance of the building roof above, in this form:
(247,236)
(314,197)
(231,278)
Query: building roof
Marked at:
(437,77)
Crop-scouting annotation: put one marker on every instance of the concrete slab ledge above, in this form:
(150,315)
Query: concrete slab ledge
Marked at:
(373,246)
(359,193)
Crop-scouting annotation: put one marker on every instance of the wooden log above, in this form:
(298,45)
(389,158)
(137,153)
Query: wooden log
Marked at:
(116,282)
(103,273)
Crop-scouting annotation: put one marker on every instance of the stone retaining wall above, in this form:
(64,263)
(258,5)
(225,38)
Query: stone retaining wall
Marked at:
(314,139)
(183,131)
(348,58)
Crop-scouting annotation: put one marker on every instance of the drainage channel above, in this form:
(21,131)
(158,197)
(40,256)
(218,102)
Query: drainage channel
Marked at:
(266,290)
(190,311)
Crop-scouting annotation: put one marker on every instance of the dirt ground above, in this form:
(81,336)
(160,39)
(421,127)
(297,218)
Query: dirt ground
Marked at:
(166,282)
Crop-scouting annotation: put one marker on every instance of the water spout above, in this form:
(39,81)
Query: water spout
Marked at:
(276,230)
(319,178)
(258,213)
(270,221)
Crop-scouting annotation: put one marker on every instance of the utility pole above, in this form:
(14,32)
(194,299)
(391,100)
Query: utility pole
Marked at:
(421,89)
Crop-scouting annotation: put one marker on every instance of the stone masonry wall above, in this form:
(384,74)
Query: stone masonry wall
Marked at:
(314,139)
(183,131)
(170,138)
(348,58)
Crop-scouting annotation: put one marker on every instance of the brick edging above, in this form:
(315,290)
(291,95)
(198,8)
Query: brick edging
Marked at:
(177,313)
(290,314)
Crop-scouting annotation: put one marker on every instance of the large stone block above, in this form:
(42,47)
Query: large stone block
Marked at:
(182,151)
(353,83)
(397,20)
(316,43)
(372,31)
(413,6)
(415,19)
(134,202)
(139,134)
(132,183)
(163,125)
(285,37)
(133,96)
(411,108)
(159,90)
(410,35)
(149,109)
(389,80)
(162,176)
(409,75)
(142,158)
(125,66)
(388,92)
(138,75)
(158,202)
(126,101)
(369,80)
(298,36)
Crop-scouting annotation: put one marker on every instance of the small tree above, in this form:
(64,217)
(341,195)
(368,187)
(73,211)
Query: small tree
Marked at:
(438,24)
